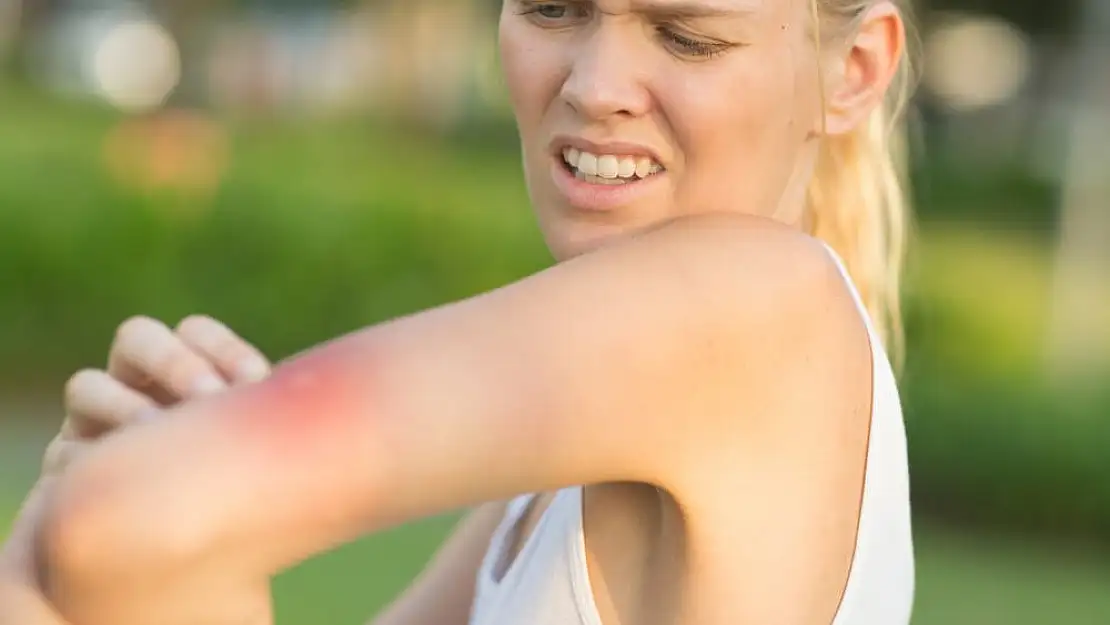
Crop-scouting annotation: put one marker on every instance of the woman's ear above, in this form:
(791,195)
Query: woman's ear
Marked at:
(868,65)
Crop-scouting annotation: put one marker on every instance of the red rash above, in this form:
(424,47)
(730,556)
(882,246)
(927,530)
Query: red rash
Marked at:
(312,402)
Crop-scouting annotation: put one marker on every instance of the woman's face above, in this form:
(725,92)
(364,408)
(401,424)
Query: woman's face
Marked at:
(633,112)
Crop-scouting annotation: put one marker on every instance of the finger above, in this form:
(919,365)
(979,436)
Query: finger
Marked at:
(147,353)
(235,359)
(97,403)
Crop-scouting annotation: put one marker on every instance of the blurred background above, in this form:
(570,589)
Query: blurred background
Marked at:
(300,168)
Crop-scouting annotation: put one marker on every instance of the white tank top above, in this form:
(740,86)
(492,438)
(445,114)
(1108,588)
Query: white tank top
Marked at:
(548,582)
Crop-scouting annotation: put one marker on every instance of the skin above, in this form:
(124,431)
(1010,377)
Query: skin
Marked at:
(701,299)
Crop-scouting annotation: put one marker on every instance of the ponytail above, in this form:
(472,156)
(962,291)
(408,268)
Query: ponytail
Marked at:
(857,203)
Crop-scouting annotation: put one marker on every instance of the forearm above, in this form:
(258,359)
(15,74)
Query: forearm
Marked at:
(419,417)
(342,442)
(169,516)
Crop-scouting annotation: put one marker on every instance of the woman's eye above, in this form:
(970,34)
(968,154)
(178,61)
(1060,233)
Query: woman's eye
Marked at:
(549,13)
(691,47)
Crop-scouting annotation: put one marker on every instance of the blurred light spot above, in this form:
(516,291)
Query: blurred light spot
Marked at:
(174,150)
(975,62)
(137,65)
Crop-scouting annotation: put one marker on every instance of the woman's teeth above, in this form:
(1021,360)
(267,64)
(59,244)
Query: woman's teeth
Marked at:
(609,169)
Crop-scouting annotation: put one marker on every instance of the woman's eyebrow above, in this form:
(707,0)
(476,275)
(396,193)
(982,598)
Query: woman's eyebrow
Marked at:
(691,9)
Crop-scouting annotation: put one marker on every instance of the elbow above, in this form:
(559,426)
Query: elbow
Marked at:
(78,537)
(105,535)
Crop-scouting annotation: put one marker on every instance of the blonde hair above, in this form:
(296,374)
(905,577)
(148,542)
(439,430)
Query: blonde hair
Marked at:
(857,201)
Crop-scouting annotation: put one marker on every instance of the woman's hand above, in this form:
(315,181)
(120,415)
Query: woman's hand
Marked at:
(150,367)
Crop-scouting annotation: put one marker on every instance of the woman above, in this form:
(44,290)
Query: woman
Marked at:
(690,418)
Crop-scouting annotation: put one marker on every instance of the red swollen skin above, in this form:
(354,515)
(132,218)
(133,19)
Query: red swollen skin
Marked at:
(301,450)
(314,401)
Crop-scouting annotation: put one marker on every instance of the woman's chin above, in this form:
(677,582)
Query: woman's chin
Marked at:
(568,234)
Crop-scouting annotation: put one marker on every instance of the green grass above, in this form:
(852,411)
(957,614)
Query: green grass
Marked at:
(978,579)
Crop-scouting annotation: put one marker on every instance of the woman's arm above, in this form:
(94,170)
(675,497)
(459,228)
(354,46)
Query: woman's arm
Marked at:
(657,360)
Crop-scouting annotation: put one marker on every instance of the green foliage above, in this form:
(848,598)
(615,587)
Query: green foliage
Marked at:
(992,442)
(1008,457)
(313,233)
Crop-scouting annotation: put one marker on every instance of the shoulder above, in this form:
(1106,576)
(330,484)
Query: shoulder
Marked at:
(752,255)
(739,290)
(740,332)
(754,280)
(758,306)
(729,236)
(785,352)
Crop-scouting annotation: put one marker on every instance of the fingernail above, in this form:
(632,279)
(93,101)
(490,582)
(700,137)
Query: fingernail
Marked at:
(252,370)
(208,385)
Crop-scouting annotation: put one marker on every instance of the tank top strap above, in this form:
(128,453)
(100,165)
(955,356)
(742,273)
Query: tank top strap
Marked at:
(516,508)
(489,569)
(856,296)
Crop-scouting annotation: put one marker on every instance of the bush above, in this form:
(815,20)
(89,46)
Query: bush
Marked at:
(1022,459)
(311,235)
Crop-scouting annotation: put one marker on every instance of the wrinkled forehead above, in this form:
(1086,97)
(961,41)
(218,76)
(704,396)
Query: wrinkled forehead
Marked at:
(695,9)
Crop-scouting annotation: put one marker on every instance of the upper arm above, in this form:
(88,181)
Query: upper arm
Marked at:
(657,360)
(444,592)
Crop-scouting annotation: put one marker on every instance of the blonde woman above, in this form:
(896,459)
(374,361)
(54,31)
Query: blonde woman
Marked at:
(690,419)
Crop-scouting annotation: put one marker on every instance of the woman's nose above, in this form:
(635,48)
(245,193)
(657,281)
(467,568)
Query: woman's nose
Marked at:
(605,78)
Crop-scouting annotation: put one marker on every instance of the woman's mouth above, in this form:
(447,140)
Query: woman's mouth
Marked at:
(608,169)
(605,182)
